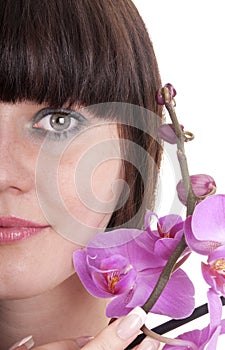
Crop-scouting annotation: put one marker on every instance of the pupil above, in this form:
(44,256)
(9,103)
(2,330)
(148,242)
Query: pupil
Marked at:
(60,122)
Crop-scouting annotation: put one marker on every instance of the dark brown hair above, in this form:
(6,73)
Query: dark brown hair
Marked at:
(85,52)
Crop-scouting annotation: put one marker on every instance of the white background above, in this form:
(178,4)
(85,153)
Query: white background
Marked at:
(189,40)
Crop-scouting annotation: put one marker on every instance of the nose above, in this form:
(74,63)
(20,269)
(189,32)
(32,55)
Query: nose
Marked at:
(15,164)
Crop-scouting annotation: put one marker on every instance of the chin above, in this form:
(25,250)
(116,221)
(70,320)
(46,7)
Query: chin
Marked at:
(20,282)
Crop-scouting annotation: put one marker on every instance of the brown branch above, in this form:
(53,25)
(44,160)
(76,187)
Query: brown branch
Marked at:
(191,202)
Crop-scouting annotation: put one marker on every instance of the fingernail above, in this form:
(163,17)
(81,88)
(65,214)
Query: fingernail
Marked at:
(28,342)
(81,341)
(131,323)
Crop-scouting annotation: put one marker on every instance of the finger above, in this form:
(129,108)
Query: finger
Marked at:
(68,344)
(59,345)
(24,344)
(148,344)
(120,333)
(116,336)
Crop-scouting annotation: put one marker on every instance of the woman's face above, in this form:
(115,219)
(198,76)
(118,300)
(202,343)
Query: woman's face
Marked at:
(56,171)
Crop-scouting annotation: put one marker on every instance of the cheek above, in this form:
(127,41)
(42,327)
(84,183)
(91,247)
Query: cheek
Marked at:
(89,190)
(106,184)
(81,194)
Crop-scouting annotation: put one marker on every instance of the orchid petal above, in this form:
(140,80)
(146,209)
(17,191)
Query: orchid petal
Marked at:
(79,259)
(214,339)
(216,254)
(118,306)
(215,308)
(165,247)
(223,327)
(148,219)
(141,293)
(177,299)
(214,275)
(203,247)
(208,219)
(214,271)
(202,185)
(135,250)
(211,277)
(205,339)
(113,239)
(127,282)
(166,133)
(168,222)
(115,261)
(168,234)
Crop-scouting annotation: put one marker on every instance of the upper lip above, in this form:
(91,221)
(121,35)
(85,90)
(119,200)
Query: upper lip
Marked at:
(12,221)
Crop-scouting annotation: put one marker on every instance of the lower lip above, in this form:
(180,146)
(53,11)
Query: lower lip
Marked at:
(14,234)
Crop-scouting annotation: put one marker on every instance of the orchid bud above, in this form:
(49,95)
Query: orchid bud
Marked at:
(167,133)
(203,185)
(165,94)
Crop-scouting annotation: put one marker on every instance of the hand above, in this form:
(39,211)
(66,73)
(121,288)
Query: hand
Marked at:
(117,336)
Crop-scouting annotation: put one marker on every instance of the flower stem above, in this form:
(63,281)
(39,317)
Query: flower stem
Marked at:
(165,276)
(169,341)
(191,202)
(191,198)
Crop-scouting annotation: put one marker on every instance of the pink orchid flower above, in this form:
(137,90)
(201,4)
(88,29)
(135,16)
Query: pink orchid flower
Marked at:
(206,338)
(164,239)
(128,272)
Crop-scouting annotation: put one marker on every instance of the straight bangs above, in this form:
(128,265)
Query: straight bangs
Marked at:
(68,53)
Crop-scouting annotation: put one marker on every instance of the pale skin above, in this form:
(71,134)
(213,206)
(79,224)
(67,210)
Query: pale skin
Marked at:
(40,293)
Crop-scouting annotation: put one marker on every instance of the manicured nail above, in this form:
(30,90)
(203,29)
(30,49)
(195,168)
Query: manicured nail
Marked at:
(81,341)
(131,324)
(27,342)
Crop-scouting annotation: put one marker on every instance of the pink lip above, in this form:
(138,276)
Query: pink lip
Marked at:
(15,229)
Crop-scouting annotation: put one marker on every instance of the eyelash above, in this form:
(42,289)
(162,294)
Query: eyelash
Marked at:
(79,120)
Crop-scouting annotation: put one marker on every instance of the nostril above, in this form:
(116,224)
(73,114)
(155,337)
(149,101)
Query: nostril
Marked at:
(14,178)
(16,167)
